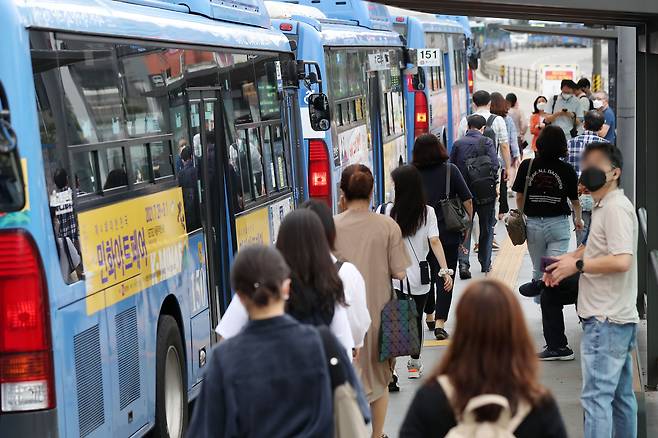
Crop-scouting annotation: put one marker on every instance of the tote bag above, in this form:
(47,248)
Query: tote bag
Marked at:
(398,333)
(454,214)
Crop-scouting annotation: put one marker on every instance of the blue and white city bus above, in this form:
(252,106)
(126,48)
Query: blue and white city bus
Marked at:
(359,60)
(114,245)
(436,82)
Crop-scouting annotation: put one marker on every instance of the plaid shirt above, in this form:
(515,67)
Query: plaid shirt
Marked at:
(62,202)
(577,145)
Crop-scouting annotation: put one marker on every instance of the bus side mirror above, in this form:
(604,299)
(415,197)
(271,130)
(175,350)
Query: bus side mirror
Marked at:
(418,80)
(318,111)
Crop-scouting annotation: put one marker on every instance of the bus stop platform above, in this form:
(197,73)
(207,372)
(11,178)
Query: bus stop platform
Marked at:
(512,265)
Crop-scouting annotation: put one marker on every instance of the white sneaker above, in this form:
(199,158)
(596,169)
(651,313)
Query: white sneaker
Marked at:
(415,368)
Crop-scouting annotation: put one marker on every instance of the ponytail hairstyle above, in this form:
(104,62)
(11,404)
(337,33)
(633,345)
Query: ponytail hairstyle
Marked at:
(257,274)
(357,182)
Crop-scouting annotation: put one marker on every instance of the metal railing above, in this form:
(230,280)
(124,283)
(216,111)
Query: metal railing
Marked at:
(515,76)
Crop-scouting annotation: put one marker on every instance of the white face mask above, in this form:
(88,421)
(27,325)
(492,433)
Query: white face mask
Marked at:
(566,96)
(541,106)
(597,103)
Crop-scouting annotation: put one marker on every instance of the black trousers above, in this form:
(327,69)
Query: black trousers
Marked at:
(503,204)
(439,300)
(420,305)
(553,299)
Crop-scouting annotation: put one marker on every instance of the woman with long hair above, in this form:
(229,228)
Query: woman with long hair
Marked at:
(373,242)
(537,119)
(430,157)
(317,295)
(420,232)
(491,353)
(500,106)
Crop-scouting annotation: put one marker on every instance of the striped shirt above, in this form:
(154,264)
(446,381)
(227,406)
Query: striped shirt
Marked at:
(577,145)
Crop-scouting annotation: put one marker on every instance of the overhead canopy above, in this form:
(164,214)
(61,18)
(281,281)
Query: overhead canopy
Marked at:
(588,11)
(583,32)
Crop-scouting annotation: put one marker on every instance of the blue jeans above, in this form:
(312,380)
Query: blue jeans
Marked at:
(547,237)
(608,399)
(487,218)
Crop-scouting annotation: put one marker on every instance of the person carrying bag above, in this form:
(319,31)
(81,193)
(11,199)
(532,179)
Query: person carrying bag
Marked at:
(454,214)
(515,221)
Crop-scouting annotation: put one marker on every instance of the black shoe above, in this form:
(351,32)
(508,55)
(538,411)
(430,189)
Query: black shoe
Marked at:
(532,289)
(440,334)
(563,353)
(393,384)
(430,325)
(464,273)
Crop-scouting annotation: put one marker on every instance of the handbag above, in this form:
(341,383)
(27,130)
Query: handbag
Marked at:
(515,221)
(398,333)
(454,214)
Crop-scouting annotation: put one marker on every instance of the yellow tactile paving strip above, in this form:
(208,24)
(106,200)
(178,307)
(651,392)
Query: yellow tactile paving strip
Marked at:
(505,267)
(507,264)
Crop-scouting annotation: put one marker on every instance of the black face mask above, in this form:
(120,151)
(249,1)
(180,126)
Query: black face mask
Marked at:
(593,178)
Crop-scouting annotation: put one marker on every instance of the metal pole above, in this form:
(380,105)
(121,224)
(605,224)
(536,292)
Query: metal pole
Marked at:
(596,65)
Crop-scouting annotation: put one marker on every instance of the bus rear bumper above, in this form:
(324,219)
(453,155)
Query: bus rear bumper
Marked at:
(30,424)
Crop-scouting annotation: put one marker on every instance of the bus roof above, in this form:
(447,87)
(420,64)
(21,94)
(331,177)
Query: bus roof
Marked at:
(363,13)
(119,18)
(430,22)
(284,10)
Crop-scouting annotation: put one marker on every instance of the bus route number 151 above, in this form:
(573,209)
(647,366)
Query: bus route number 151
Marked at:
(428,57)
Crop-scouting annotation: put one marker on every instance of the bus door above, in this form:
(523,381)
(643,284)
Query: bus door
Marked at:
(206,131)
(376,135)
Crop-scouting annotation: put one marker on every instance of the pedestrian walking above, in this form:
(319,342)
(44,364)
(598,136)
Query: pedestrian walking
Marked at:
(607,296)
(537,119)
(491,361)
(475,156)
(500,107)
(241,394)
(564,110)
(373,242)
(420,231)
(520,120)
(318,296)
(551,184)
(609,129)
(495,124)
(594,121)
(431,158)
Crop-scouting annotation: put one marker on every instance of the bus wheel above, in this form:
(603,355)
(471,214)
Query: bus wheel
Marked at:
(170,392)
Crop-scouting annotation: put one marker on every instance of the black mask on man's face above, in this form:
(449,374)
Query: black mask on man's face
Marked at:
(593,178)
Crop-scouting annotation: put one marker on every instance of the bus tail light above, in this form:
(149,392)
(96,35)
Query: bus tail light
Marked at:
(471,81)
(26,360)
(421,120)
(319,172)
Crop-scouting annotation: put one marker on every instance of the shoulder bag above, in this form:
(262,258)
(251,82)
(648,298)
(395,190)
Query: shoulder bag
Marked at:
(398,332)
(454,214)
(516,221)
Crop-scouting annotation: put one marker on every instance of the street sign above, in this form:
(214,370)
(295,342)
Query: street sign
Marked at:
(553,74)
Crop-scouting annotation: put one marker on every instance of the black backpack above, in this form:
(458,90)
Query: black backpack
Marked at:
(489,131)
(480,175)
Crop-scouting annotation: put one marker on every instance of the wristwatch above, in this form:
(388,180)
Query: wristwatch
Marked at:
(445,271)
(580,265)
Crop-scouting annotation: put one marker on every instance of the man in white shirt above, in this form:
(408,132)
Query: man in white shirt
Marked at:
(607,294)
(564,110)
(482,106)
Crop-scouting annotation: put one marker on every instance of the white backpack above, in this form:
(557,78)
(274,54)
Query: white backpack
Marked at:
(468,426)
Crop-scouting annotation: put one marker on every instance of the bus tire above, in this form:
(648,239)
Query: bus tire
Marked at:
(170,388)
